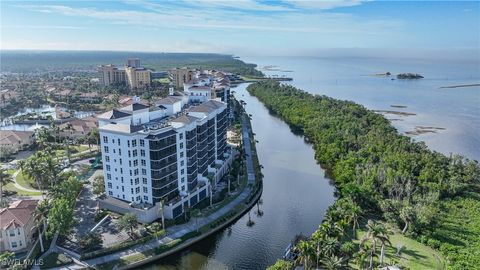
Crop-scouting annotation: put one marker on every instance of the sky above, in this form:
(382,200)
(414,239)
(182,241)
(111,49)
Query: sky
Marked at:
(248,27)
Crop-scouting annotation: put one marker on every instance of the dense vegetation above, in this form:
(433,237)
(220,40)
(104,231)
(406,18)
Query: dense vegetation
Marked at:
(64,61)
(390,177)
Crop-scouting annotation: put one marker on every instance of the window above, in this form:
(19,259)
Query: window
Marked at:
(120,151)
(135,172)
(105,149)
(109,176)
(137,190)
(135,153)
(144,163)
(14,244)
(138,198)
(121,170)
(131,191)
(118,141)
(107,158)
(181,163)
(145,198)
(121,178)
(12,232)
(105,139)
(123,188)
(135,162)
(129,163)
(182,171)
(181,154)
(21,243)
(180,136)
(109,185)
(181,145)
(131,182)
(113,140)
(108,168)
(142,152)
(120,160)
(110,193)
(144,180)
(144,171)
(137,181)
(134,143)
(142,143)
(183,179)
(128,143)
(129,153)
(145,190)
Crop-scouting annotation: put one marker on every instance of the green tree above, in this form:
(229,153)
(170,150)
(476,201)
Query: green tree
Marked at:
(281,265)
(61,217)
(127,222)
(98,185)
(333,262)
(5,178)
(376,234)
(92,240)
(305,251)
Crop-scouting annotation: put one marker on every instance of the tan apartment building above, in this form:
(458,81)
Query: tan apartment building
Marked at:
(16,223)
(16,140)
(179,76)
(132,74)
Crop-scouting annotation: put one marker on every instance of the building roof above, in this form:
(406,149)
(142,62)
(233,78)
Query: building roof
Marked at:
(134,107)
(168,100)
(80,125)
(123,128)
(202,108)
(186,119)
(199,88)
(17,214)
(13,136)
(113,114)
(214,104)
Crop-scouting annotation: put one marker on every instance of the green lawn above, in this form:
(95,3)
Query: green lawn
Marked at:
(25,182)
(55,260)
(19,192)
(457,234)
(415,255)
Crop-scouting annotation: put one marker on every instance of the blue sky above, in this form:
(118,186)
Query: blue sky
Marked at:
(287,27)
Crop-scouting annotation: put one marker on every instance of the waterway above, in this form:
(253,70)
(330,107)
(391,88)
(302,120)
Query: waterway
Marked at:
(295,196)
(296,192)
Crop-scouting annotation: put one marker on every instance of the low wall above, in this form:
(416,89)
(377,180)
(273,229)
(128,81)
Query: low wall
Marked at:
(194,240)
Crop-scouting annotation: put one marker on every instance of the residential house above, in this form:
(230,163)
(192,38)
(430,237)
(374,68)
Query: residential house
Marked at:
(16,140)
(16,224)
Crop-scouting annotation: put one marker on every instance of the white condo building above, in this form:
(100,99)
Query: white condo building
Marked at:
(173,152)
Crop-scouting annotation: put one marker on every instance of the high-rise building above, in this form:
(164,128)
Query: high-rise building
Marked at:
(132,74)
(133,62)
(180,76)
(171,152)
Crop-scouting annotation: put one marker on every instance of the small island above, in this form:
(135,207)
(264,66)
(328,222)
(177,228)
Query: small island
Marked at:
(409,76)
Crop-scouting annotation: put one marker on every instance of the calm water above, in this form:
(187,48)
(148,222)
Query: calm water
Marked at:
(296,192)
(295,196)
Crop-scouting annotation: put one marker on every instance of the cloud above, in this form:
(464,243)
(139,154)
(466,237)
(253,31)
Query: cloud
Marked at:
(163,15)
(324,4)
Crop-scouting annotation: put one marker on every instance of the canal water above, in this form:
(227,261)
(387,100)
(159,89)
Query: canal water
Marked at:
(296,192)
(295,196)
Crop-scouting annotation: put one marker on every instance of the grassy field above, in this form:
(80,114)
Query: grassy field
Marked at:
(457,234)
(414,255)
(25,182)
(19,192)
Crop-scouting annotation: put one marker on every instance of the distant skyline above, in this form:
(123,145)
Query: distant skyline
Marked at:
(249,27)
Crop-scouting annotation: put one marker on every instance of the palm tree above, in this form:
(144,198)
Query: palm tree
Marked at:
(354,212)
(361,259)
(330,246)
(376,233)
(40,217)
(305,251)
(333,262)
(5,178)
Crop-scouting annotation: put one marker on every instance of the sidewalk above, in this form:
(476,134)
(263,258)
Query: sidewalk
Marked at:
(178,231)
